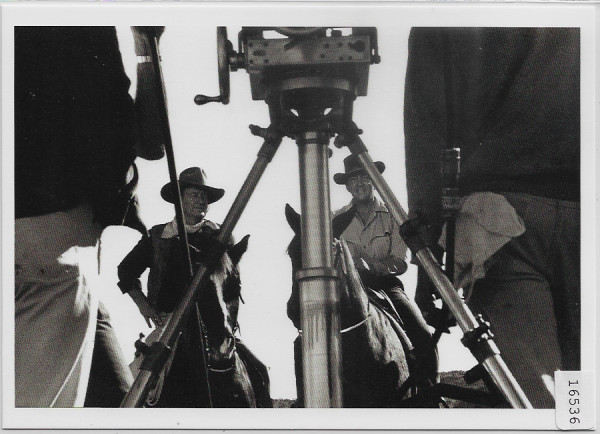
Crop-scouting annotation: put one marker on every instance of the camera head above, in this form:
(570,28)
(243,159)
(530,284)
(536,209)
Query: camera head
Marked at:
(309,76)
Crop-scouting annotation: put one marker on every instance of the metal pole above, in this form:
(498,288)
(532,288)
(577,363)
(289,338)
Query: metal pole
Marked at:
(319,299)
(149,373)
(153,87)
(488,354)
(491,360)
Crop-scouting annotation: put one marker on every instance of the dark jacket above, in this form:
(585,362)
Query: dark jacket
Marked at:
(508,97)
(75,127)
(168,276)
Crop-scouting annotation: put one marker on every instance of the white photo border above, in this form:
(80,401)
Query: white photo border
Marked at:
(379,14)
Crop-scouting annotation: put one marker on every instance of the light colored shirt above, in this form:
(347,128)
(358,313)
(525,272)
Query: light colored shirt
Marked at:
(377,239)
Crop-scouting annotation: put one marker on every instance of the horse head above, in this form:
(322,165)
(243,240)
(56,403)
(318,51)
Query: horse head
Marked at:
(219,305)
(353,299)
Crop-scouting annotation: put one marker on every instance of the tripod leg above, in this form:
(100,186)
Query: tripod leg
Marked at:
(150,371)
(319,300)
(483,348)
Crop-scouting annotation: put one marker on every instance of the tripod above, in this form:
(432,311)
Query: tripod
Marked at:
(311,109)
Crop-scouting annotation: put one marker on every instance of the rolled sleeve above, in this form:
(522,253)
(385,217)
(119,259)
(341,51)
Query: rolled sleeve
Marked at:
(398,247)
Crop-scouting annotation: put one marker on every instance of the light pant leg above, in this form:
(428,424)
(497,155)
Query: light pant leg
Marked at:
(56,270)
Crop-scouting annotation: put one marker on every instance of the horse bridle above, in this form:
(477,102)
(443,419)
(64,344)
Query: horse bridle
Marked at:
(355,326)
(231,359)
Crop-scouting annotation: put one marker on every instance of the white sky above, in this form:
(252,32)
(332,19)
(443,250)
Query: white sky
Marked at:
(216,138)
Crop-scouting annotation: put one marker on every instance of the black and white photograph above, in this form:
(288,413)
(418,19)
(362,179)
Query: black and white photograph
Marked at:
(335,215)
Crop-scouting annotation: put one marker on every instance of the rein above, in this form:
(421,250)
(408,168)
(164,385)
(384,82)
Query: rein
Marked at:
(355,326)
(230,360)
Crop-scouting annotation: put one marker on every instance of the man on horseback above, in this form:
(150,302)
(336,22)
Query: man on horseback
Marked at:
(161,252)
(158,248)
(378,252)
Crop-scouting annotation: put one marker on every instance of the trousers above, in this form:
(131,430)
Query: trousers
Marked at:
(417,330)
(66,352)
(56,275)
(425,350)
(110,376)
(531,295)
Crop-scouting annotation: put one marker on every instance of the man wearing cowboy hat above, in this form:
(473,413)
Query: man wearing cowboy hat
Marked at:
(160,251)
(155,250)
(372,236)
(378,251)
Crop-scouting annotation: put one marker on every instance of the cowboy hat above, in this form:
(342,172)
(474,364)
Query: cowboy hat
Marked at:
(352,167)
(191,177)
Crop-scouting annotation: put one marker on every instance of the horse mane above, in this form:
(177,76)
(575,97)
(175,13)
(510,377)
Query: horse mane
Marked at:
(227,266)
(347,263)
(223,270)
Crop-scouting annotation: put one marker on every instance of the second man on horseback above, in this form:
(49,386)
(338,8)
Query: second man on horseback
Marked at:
(378,252)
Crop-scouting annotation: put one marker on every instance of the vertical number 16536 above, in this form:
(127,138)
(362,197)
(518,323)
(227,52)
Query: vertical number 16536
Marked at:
(574,402)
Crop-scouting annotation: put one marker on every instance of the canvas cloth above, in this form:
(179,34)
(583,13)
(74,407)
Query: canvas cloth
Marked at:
(485,222)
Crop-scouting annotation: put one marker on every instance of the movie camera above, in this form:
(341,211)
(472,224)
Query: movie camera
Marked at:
(309,76)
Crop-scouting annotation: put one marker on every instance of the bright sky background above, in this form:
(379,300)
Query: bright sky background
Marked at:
(216,138)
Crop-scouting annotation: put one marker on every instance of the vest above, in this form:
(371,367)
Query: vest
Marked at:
(161,248)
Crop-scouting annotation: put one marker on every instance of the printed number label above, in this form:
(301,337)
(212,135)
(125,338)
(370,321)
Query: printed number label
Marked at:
(575,395)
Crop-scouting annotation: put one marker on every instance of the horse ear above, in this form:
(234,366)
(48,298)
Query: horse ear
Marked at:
(236,251)
(342,221)
(293,218)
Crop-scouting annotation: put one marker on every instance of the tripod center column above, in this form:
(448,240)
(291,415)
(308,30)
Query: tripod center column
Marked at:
(319,299)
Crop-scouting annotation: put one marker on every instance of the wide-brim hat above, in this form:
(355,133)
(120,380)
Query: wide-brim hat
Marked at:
(352,167)
(191,177)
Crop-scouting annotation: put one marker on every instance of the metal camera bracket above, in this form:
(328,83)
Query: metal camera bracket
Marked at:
(309,77)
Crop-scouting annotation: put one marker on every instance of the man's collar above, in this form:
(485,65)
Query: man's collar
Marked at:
(378,206)
(171,229)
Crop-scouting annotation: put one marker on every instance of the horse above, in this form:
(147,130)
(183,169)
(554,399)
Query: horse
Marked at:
(376,352)
(236,377)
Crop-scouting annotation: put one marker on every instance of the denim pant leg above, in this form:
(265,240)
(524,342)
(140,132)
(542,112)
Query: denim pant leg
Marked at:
(418,332)
(110,376)
(519,295)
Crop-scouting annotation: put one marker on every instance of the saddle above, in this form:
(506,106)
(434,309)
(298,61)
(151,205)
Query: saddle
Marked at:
(417,376)
(383,302)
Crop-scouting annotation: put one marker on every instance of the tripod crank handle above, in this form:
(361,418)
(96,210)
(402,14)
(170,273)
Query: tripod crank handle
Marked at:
(203,99)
